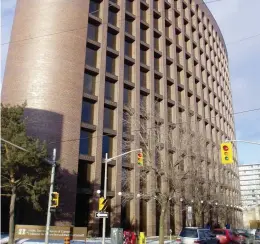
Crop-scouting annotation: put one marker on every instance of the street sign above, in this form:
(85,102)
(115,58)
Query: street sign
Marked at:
(37,232)
(102,204)
(101,215)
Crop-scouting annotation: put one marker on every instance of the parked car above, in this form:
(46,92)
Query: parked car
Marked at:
(226,236)
(245,236)
(195,235)
(257,234)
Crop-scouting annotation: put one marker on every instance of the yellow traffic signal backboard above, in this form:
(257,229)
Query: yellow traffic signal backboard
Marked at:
(226,150)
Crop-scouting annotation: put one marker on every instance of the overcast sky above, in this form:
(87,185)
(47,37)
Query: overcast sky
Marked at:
(238,19)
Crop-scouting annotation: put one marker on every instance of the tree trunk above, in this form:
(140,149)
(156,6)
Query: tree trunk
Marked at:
(161,228)
(11,216)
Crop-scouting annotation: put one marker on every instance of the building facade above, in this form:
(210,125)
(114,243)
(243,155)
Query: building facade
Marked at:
(250,191)
(89,61)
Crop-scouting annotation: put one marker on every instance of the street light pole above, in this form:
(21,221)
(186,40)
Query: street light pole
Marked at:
(50,196)
(105,186)
(105,196)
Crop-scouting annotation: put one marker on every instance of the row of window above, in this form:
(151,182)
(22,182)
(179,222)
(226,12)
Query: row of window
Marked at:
(112,19)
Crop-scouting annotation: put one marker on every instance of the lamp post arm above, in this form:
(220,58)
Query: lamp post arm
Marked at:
(250,142)
(120,155)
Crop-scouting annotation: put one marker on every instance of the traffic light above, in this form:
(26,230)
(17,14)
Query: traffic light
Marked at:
(55,199)
(102,204)
(140,159)
(226,153)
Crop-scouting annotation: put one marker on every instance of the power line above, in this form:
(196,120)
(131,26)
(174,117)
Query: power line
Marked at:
(31,38)
(88,137)
(244,39)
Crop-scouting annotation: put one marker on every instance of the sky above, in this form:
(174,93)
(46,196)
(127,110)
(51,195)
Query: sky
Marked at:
(237,19)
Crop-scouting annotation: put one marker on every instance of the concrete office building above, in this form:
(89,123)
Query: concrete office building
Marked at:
(80,64)
(250,191)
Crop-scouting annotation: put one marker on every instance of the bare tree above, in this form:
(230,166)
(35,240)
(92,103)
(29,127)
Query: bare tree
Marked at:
(164,175)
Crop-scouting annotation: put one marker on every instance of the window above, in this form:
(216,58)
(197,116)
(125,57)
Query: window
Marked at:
(143,99)
(85,146)
(143,15)
(167,31)
(157,85)
(129,6)
(89,83)
(111,40)
(170,114)
(128,72)
(109,90)
(127,97)
(128,49)
(157,107)
(156,63)
(126,123)
(156,42)
(112,18)
(87,114)
(93,32)
(143,35)
(129,26)
(168,50)
(156,23)
(143,79)
(108,118)
(168,69)
(111,65)
(107,146)
(94,8)
(167,13)
(84,174)
(143,56)
(91,57)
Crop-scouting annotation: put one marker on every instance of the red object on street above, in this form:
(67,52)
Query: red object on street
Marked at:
(127,237)
(133,238)
(226,236)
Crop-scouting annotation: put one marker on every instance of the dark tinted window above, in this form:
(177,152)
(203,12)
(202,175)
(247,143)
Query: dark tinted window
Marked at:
(189,233)
(111,65)
(91,57)
(111,40)
(112,18)
(85,142)
(202,234)
(219,232)
(89,83)
(93,32)
(87,112)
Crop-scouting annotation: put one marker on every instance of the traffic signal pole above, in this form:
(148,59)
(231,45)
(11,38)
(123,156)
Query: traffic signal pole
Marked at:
(50,197)
(105,188)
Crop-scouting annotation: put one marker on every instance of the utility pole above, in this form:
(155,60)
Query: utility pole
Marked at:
(50,196)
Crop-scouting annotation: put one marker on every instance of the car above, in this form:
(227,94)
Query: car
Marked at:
(225,236)
(245,236)
(257,234)
(195,235)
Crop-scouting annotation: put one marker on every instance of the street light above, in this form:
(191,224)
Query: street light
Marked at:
(98,191)
(181,199)
(138,195)
(201,201)
(120,193)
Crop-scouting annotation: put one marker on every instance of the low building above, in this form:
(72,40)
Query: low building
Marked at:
(250,192)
